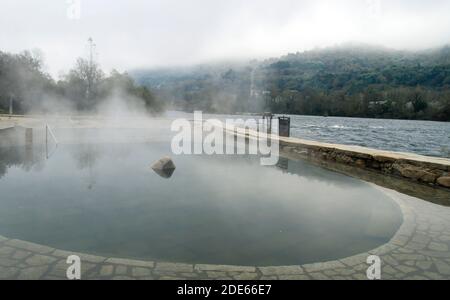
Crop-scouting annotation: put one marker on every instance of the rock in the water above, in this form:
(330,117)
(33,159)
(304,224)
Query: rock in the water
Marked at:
(164,167)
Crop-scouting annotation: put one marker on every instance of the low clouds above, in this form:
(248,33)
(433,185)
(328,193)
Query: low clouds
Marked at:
(139,33)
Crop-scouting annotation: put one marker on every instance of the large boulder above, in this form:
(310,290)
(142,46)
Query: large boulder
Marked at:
(164,167)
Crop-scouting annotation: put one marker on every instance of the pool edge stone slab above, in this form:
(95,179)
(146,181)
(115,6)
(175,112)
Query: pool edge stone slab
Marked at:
(83,256)
(130,262)
(29,246)
(224,268)
(43,262)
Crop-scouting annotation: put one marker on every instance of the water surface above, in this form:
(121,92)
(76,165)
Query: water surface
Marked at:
(421,137)
(105,199)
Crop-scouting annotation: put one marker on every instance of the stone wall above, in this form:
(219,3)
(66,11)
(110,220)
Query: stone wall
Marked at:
(422,170)
(431,171)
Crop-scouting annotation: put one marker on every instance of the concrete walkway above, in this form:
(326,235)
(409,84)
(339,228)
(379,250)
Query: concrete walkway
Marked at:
(419,250)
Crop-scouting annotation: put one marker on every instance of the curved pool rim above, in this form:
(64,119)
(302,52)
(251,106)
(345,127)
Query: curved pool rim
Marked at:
(173,270)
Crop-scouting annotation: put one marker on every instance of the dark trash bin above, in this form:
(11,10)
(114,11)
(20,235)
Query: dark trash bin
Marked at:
(284,124)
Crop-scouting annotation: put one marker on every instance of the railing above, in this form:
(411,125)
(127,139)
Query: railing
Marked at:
(48,131)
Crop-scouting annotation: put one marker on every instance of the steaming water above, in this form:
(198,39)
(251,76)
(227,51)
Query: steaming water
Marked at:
(105,199)
(421,137)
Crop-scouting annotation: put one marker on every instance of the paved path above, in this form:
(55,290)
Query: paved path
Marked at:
(419,250)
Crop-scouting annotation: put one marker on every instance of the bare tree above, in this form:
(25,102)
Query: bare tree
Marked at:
(85,78)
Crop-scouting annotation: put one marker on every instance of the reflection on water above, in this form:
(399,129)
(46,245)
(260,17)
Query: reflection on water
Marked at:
(105,199)
(85,157)
(25,158)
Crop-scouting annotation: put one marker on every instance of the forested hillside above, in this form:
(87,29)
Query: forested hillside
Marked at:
(355,81)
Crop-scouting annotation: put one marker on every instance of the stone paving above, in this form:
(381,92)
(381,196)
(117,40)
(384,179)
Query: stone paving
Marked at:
(419,250)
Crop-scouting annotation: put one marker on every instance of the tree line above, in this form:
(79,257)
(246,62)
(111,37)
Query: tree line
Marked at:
(350,81)
(82,89)
(361,82)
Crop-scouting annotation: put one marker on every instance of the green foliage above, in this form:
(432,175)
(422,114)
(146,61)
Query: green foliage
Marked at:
(83,88)
(346,81)
(21,77)
(361,82)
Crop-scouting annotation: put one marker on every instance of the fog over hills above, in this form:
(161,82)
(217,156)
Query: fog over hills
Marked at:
(287,56)
(348,80)
(133,34)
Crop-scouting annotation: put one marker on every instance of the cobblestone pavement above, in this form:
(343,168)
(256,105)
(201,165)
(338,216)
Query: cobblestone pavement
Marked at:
(419,250)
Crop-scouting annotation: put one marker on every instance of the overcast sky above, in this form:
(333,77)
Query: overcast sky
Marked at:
(149,33)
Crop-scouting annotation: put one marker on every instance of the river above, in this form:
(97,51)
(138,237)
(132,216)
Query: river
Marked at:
(421,137)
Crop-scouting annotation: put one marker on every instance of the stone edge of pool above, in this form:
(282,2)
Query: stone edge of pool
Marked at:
(409,254)
(29,261)
(426,170)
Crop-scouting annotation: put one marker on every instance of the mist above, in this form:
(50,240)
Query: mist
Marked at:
(136,34)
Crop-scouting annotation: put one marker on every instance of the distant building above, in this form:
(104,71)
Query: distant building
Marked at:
(376,103)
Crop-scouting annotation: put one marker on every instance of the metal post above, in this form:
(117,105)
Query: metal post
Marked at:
(10,105)
(267,116)
(46,141)
(48,131)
